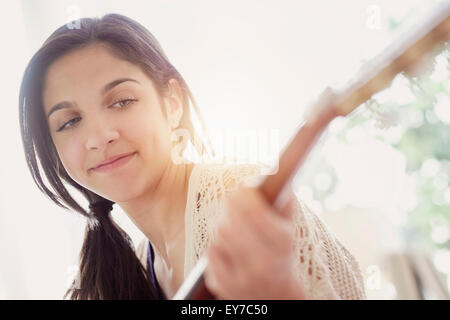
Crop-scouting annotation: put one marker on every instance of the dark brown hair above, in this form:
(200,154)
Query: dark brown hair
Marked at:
(109,267)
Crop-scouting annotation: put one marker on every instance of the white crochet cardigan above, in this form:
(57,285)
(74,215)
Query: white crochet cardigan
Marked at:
(325,267)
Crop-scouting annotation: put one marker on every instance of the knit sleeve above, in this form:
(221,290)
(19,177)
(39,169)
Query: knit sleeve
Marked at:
(210,184)
(325,267)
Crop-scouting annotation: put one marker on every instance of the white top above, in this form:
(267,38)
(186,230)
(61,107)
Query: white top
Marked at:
(325,267)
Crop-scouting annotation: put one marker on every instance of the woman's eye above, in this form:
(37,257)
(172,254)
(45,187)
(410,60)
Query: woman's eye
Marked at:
(65,124)
(124,103)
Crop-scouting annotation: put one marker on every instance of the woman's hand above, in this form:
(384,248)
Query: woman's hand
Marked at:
(252,255)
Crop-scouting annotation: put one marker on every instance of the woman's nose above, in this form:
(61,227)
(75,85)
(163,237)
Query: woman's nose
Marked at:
(99,135)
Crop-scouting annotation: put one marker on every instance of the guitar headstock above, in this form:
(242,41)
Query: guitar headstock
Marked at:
(407,55)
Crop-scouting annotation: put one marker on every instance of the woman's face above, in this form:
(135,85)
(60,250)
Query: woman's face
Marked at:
(95,125)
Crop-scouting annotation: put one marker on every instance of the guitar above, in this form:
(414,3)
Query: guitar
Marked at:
(402,56)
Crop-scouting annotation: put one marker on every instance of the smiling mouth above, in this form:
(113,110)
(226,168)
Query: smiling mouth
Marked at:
(114,164)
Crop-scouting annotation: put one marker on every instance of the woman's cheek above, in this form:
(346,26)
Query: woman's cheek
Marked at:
(150,135)
(71,156)
(154,147)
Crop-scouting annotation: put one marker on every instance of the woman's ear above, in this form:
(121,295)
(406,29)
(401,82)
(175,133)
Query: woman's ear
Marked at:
(174,104)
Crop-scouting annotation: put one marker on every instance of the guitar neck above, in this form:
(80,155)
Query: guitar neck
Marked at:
(400,56)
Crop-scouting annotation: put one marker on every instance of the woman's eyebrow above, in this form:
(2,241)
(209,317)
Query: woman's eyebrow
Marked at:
(116,82)
(106,88)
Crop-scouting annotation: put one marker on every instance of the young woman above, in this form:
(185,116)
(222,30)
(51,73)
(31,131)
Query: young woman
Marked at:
(99,106)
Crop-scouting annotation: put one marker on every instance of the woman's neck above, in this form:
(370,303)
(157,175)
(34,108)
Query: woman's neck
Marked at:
(160,214)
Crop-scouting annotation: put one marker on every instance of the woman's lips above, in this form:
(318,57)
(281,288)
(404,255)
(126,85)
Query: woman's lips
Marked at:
(115,164)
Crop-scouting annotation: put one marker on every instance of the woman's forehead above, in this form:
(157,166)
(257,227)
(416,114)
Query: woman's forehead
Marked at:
(85,72)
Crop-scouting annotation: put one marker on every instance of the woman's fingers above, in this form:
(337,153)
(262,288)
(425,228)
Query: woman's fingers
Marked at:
(239,243)
(251,254)
(252,241)
(249,208)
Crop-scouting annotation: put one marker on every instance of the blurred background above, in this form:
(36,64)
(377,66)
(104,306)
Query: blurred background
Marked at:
(378,179)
